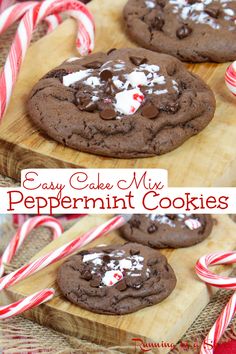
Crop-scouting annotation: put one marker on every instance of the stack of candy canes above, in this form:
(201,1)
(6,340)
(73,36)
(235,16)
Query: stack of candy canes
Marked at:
(69,248)
(30,14)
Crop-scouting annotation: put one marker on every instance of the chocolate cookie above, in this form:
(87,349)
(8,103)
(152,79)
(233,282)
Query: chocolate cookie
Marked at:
(161,231)
(116,279)
(127,103)
(192,30)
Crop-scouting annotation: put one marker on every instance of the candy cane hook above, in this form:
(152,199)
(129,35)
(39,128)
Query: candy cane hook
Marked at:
(213,279)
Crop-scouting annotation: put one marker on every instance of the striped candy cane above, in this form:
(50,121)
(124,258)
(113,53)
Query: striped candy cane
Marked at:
(213,279)
(230,78)
(16,11)
(4,4)
(38,12)
(24,231)
(19,219)
(50,258)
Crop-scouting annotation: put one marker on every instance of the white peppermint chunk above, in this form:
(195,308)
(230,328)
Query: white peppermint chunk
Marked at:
(150,4)
(160,92)
(229,12)
(92,256)
(159,79)
(111,277)
(128,101)
(93,81)
(125,263)
(118,83)
(137,78)
(192,224)
(150,68)
(76,76)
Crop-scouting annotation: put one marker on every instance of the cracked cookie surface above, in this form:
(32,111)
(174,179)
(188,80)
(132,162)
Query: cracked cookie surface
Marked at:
(116,279)
(191,30)
(125,103)
(168,230)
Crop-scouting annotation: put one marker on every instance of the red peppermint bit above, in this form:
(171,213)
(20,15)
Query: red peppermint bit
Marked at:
(138,97)
(117,276)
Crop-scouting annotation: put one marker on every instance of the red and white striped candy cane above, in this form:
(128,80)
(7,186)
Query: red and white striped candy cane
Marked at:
(213,279)
(38,12)
(19,219)
(16,11)
(4,4)
(24,231)
(51,258)
(230,78)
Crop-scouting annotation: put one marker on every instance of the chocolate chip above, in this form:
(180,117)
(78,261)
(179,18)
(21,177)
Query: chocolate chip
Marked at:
(134,252)
(137,60)
(171,216)
(212,11)
(191,2)
(86,275)
(106,258)
(183,31)
(150,111)
(95,282)
(108,113)
(111,50)
(152,228)
(87,105)
(121,286)
(105,75)
(93,65)
(157,23)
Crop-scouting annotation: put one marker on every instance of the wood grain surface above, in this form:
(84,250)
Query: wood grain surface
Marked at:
(166,321)
(208,159)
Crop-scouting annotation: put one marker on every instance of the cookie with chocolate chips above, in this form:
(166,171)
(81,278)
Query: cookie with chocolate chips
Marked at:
(191,30)
(168,230)
(116,279)
(126,103)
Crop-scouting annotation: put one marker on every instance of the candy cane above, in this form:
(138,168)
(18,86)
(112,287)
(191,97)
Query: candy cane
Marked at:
(230,78)
(19,219)
(37,12)
(53,21)
(213,279)
(5,4)
(16,11)
(23,233)
(49,259)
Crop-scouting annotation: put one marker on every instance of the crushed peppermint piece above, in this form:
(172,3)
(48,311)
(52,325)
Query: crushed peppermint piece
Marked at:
(128,101)
(75,77)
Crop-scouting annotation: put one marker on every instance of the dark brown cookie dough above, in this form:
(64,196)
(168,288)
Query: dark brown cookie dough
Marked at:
(191,30)
(128,103)
(116,279)
(161,231)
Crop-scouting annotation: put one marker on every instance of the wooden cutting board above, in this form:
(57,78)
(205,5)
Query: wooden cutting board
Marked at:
(208,159)
(166,321)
